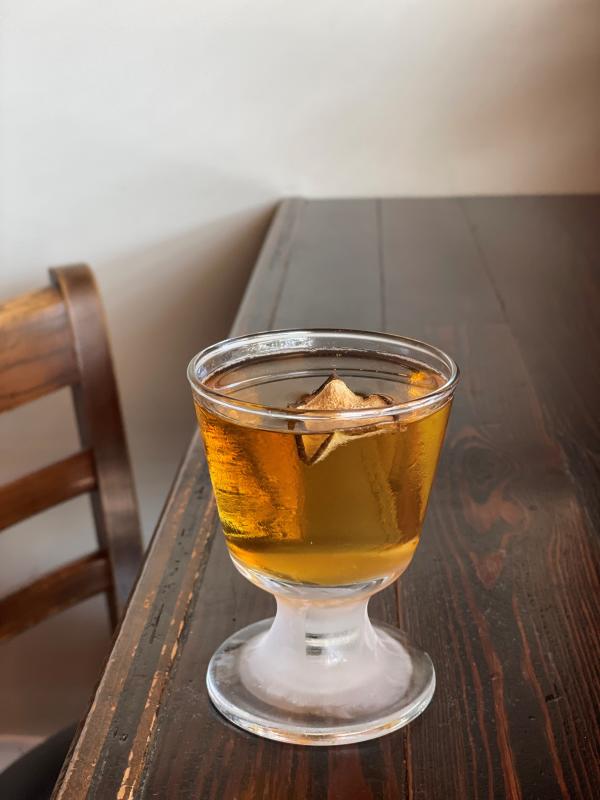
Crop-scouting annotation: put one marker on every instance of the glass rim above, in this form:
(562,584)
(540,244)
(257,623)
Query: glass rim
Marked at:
(442,392)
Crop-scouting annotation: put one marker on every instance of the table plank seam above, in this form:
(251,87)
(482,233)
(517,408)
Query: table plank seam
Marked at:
(483,260)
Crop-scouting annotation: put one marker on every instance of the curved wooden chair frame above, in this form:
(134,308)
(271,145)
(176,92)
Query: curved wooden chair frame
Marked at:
(50,339)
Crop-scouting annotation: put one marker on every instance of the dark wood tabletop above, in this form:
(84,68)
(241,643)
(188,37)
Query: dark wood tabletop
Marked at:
(503,591)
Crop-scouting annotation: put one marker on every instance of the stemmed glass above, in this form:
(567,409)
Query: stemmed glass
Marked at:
(322,447)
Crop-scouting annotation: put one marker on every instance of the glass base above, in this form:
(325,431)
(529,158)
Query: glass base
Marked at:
(323,677)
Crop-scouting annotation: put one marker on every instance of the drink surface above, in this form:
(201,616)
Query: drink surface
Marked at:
(329,503)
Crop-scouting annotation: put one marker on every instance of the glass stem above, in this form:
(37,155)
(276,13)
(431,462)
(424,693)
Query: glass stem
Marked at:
(333,634)
(318,654)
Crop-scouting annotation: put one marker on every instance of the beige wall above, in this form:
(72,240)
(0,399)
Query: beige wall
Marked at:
(152,137)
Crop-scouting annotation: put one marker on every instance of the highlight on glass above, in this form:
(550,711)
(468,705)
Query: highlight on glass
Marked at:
(322,447)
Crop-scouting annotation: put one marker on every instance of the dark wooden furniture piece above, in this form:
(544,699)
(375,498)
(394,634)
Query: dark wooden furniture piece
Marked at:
(50,339)
(503,591)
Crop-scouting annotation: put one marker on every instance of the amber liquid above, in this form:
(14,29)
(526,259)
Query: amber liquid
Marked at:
(329,507)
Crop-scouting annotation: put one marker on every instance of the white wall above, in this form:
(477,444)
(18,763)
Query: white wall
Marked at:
(151,138)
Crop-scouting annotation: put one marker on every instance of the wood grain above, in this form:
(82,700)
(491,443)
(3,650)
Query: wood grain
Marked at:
(100,424)
(498,545)
(46,487)
(36,348)
(52,338)
(54,592)
(503,591)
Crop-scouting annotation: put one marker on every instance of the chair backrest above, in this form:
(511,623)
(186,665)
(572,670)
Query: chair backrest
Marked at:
(50,339)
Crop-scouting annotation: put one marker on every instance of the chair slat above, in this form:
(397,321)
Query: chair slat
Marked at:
(36,348)
(54,592)
(46,487)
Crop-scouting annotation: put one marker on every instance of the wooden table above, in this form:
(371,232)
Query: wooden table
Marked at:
(503,592)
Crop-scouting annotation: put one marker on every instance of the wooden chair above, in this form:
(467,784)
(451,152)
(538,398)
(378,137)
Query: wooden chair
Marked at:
(50,339)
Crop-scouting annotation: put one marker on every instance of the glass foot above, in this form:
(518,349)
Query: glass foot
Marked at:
(312,686)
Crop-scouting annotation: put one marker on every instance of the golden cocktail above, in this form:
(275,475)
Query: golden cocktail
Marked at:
(322,448)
